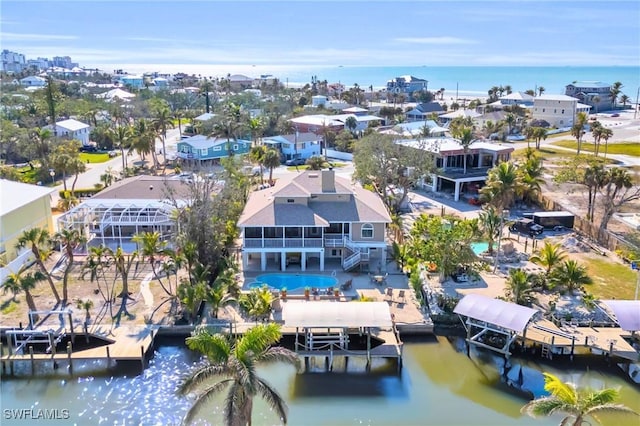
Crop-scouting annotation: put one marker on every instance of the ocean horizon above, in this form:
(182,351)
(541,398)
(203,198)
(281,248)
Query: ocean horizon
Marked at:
(468,80)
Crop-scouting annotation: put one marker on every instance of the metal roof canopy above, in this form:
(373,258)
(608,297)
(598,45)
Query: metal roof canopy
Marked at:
(627,313)
(336,314)
(503,314)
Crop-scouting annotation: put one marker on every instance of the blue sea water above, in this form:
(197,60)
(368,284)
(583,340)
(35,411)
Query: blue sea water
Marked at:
(476,80)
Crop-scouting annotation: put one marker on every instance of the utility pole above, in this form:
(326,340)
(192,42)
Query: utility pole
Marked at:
(635,110)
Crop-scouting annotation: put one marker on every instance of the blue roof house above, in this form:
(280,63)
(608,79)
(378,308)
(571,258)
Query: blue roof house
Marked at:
(202,148)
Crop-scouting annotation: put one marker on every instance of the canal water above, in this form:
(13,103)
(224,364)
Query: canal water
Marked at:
(438,385)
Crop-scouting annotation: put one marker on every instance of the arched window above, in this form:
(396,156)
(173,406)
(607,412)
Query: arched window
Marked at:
(366,231)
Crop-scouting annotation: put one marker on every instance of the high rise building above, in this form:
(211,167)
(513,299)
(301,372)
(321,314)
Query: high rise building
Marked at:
(12,61)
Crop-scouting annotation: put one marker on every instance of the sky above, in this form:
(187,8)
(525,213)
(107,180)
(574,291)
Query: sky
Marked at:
(122,33)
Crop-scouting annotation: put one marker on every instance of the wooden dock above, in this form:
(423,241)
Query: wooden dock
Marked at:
(125,343)
(566,340)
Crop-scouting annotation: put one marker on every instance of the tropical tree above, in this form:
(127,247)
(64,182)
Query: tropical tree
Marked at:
(599,133)
(18,282)
(593,179)
(619,188)
(315,162)
(234,362)
(570,274)
(162,121)
(577,404)
(510,119)
(503,184)
(531,176)
(624,99)
(577,131)
(256,154)
(539,134)
(256,127)
(123,135)
(38,240)
(123,263)
(151,245)
(541,90)
(615,90)
(464,134)
(144,140)
(596,100)
(191,296)
(490,222)
(69,240)
(549,256)
(271,161)
(257,303)
(351,123)
(605,134)
(519,287)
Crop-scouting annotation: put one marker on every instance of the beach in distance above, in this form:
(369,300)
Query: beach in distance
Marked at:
(471,81)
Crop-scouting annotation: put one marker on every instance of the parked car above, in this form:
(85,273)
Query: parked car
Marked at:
(88,148)
(295,162)
(615,115)
(526,226)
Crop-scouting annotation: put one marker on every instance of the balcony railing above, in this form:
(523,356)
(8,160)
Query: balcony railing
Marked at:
(282,243)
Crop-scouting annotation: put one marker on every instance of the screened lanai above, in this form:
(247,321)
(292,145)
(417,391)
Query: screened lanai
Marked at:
(113,222)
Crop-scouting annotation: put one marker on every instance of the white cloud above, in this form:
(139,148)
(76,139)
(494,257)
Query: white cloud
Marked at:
(34,37)
(435,40)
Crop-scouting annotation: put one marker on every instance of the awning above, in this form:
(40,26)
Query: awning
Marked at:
(627,313)
(498,312)
(336,314)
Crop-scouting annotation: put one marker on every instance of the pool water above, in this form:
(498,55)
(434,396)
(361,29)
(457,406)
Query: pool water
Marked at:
(294,281)
(479,247)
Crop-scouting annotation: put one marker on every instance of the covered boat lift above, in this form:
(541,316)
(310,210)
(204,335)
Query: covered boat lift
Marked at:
(491,323)
(322,329)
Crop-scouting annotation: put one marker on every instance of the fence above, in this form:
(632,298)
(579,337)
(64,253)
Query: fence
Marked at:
(332,153)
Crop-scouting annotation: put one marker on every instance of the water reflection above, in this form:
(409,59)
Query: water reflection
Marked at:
(438,385)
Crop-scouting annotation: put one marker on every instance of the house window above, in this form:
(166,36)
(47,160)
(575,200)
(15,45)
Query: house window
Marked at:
(366,231)
(217,148)
(290,200)
(203,152)
(235,147)
(563,111)
(555,111)
(542,109)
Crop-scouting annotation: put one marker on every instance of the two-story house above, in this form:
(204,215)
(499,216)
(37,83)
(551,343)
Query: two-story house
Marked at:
(311,218)
(558,110)
(407,84)
(201,150)
(297,145)
(450,175)
(72,129)
(593,93)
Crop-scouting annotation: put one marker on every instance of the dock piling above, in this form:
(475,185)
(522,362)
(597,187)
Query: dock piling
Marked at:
(33,364)
(142,356)
(108,356)
(69,357)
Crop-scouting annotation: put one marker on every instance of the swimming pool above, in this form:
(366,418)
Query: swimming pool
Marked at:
(479,247)
(294,281)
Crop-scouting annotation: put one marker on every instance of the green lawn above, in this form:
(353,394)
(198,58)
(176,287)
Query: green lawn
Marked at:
(628,148)
(90,157)
(549,153)
(611,280)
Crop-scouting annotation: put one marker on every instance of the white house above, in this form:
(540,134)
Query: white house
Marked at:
(72,129)
(416,129)
(33,81)
(558,110)
(116,94)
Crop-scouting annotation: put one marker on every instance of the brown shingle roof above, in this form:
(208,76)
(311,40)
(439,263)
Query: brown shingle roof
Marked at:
(144,188)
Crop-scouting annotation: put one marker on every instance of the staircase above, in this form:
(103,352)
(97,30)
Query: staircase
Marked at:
(356,256)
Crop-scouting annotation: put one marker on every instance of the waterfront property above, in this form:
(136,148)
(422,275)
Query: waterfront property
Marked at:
(450,176)
(316,123)
(312,216)
(138,204)
(596,94)
(423,110)
(23,207)
(558,110)
(407,85)
(416,129)
(201,150)
(294,281)
(297,145)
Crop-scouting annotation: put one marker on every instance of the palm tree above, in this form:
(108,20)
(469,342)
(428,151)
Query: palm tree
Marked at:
(464,134)
(178,115)
(510,119)
(596,100)
(144,140)
(541,90)
(490,222)
(577,404)
(605,134)
(69,240)
(624,99)
(615,90)
(570,274)
(20,282)
(40,139)
(123,263)
(38,240)
(519,287)
(256,128)
(257,154)
(234,363)
(162,122)
(531,176)
(315,163)
(594,179)
(123,135)
(271,161)
(577,131)
(549,256)
(150,246)
(503,184)
(351,123)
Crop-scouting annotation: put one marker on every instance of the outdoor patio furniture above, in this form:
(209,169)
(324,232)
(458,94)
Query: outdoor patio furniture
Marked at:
(389,293)
(346,285)
(401,296)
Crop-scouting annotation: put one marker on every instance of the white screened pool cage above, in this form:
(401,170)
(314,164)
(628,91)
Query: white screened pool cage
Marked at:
(113,223)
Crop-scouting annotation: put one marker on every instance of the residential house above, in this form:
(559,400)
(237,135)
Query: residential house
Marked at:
(450,176)
(416,129)
(464,113)
(114,95)
(134,81)
(315,123)
(23,207)
(201,150)
(297,145)
(558,110)
(407,84)
(588,92)
(355,111)
(138,204)
(71,129)
(310,218)
(423,110)
(33,81)
(520,99)
(239,81)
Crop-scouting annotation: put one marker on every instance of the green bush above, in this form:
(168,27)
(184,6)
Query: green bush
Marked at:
(80,193)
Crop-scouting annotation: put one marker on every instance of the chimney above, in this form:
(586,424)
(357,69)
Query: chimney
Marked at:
(328,180)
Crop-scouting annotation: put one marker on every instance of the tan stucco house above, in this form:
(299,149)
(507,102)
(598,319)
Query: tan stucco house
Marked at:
(311,217)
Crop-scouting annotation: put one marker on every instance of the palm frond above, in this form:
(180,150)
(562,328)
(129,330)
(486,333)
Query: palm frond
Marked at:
(215,346)
(202,400)
(244,373)
(200,376)
(546,406)
(610,408)
(280,354)
(563,391)
(258,339)
(233,403)
(273,398)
